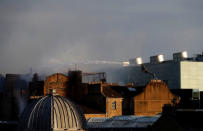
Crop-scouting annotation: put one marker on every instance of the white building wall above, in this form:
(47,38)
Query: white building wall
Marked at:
(191,75)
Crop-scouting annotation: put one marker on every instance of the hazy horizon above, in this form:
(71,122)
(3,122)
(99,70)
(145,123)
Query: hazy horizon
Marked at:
(50,34)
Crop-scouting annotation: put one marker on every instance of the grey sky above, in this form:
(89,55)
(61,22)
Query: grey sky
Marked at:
(42,33)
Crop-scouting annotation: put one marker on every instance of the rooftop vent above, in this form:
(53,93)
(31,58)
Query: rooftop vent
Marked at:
(138,60)
(156,59)
(126,63)
(180,56)
(132,61)
(135,61)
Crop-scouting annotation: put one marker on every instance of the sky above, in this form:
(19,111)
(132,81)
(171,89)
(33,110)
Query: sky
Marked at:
(48,34)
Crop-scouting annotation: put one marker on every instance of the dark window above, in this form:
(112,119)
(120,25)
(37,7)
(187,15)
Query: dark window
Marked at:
(114,105)
(166,81)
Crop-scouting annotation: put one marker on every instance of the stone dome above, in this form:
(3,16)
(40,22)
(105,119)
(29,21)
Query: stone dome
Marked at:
(50,113)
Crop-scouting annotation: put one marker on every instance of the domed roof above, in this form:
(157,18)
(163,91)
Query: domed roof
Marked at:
(52,112)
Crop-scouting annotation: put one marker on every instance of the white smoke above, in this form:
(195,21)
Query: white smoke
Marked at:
(19,97)
(34,32)
(99,62)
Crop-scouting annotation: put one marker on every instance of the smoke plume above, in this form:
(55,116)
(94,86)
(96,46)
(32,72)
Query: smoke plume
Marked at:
(52,34)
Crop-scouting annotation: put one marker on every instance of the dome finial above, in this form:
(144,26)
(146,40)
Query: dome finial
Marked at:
(53,92)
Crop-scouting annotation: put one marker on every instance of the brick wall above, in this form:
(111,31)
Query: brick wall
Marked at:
(153,98)
(113,107)
(56,81)
(87,116)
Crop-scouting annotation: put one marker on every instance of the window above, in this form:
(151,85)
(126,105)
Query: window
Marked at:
(166,81)
(114,105)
